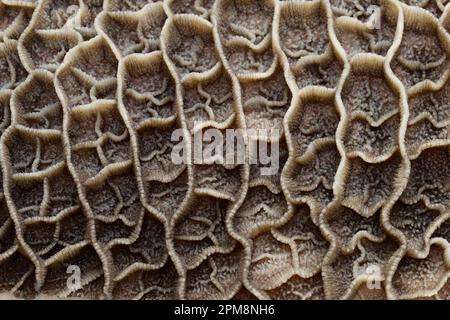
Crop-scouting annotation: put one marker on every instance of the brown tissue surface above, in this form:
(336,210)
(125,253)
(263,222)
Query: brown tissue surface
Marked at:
(91,92)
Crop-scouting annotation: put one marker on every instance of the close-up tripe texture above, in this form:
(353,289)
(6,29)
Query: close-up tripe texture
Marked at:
(95,97)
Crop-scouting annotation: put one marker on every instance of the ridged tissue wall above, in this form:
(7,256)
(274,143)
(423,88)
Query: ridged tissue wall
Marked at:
(91,92)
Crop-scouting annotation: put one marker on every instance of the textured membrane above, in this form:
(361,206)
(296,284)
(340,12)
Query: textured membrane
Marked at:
(91,92)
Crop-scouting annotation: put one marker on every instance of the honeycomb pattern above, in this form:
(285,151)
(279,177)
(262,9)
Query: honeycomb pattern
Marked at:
(91,92)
